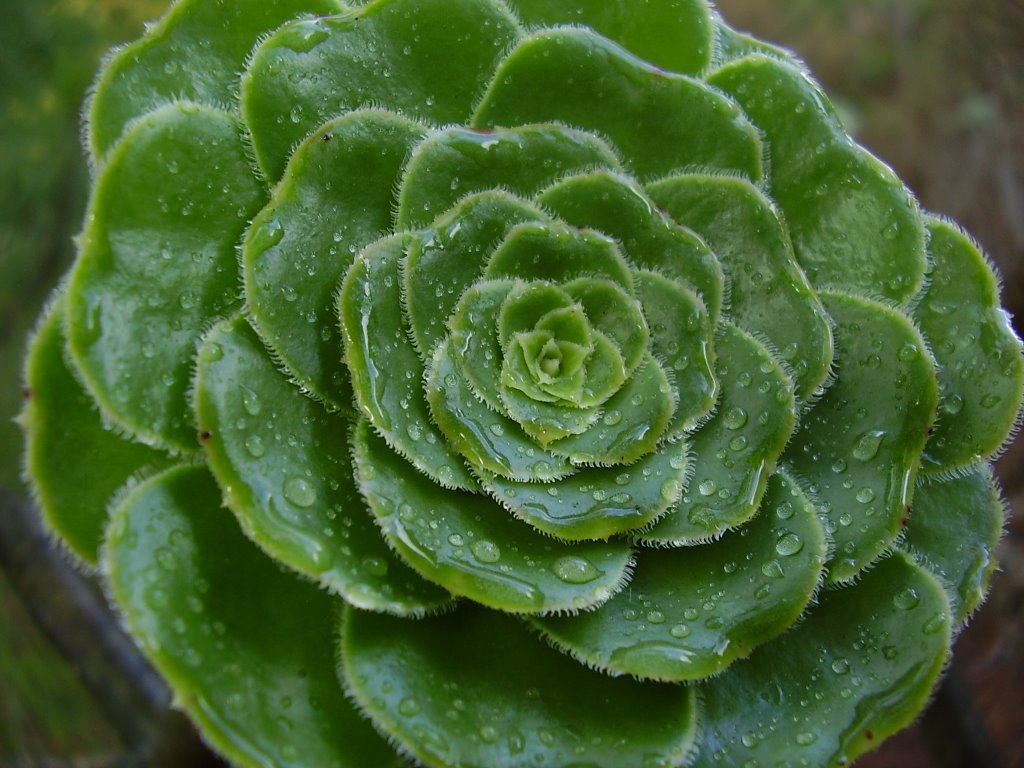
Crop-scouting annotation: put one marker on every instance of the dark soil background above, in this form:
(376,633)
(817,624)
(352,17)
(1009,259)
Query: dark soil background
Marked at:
(933,87)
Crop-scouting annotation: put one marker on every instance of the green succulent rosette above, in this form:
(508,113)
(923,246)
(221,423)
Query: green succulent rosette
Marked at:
(482,383)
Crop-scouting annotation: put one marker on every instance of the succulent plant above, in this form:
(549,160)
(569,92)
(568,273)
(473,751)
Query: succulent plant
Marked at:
(579,393)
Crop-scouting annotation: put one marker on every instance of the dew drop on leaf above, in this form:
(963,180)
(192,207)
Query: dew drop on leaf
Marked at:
(485,551)
(574,569)
(906,598)
(300,492)
(868,444)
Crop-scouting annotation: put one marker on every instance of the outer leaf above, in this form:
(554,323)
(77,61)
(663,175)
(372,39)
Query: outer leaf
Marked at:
(659,121)
(689,614)
(74,461)
(286,468)
(980,366)
(245,646)
(392,53)
(474,548)
(476,689)
(292,261)
(673,34)
(195,52)
(860,447)
(157,264)
(954,529)
(857,670)
(853,223)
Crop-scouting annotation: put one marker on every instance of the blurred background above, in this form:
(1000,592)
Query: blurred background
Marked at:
(933,87)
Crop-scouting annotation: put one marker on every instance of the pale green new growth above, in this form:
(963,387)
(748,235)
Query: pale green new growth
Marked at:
(579,393)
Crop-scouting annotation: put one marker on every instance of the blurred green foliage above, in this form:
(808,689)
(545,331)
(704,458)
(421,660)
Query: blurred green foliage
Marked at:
(49,50)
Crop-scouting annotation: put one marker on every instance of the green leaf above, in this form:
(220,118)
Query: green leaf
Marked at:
(980,366)
(635,420)
(387,373)
(853,223)
(393,53)
(458,162)
(620,208)
(474,548)
(448,257)
(489,440)
(292,261)
(477,689)
(660,121)
(731,44)
(735,452)
(527,303)
(858,669)
(681,337)
(195,52)
(860,447)
(75,463)
(157,263)
(598,502)
(286,468)
(614,313)
(246,647)
(689,613)
(769,295)
(672,34)
(557,253)
(954,529)
(548,421)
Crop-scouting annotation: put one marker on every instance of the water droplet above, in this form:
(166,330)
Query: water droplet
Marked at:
(785,511)
(671,489)
(456,540)
(375,566)
(735,418)
(789,545)
(488,734)
(934,624)
(254,445)
(990,401)
(865,495)
(516,741)
(573,569)
(707,487)
(408,707)
(840,666)
(806,738)
(953,404)
(839,466)
(908,352)
(680,631)
(485,551)
(656,617)
(773,569)
(251,401)
(868,444)
(906,598)
(300,492)
(612,418)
